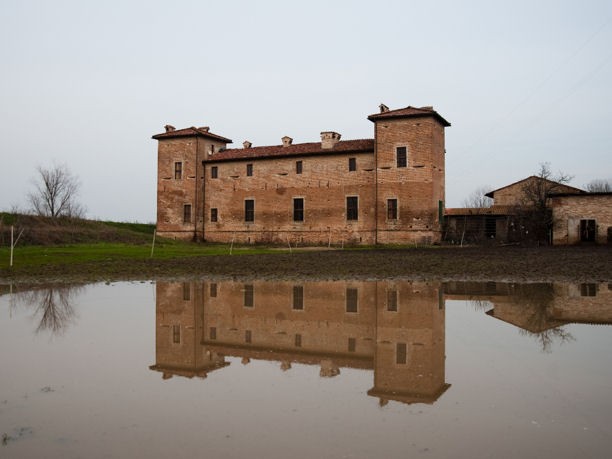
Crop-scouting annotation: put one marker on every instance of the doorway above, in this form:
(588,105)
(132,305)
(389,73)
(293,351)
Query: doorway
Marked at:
(587,230)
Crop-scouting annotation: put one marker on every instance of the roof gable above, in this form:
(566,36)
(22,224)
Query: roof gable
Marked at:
(191,132)
(409,112)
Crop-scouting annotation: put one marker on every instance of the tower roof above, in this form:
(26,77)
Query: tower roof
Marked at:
(191,132)
(408,112)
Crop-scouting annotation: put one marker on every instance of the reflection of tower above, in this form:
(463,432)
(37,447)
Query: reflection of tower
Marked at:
(410,345)
(179,310)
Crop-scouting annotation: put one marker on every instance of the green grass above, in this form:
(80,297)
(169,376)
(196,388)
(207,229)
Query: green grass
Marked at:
(31,256)
(146,228)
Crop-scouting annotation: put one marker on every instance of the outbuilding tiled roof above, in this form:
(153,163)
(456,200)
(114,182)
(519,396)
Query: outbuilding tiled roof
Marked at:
(409,112)
(189,132)
(299,149)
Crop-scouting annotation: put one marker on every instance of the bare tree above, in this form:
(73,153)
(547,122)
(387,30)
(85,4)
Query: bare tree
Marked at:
(535,216)
(477,198)
(599,186)
(55,194)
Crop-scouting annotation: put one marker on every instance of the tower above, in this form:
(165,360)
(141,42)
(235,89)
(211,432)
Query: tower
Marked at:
(409,156)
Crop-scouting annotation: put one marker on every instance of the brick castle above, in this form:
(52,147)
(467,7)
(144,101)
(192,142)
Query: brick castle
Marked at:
(389,189)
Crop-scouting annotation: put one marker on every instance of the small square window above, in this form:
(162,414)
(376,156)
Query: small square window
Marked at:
(178,170)
(402,157)
(352,164)
(298,167)
(214,172)
(249,170)
(213,214)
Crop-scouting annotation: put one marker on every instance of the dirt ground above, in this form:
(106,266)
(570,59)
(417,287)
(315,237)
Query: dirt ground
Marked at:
(510,264)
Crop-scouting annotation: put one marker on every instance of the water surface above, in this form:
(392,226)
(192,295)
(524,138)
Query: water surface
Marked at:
(306,369)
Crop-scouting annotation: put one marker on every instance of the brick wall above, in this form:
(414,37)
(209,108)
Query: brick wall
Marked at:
(568,211)
(324,184)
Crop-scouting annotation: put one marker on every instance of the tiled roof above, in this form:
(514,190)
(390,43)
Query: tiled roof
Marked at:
(409,112)
(299,149)
(189,132)
(493,210)
(491,194)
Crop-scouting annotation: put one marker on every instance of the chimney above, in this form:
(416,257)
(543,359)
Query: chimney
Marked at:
(169,128)
(427,107)
(204,128)
(383,108)
(287,141)
(329,139)
(246,144)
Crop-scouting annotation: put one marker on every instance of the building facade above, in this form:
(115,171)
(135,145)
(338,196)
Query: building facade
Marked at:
(389,189)
(582,218)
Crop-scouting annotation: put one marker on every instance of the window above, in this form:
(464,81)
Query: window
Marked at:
(187,213)
(402,159)
(249,210)
(298,209)
(401,356)
(298,340)
(298,167)
(352,208)
(588,289)
(352,344)
(248,295)
(213,214)
(178,170)
(213,290)
(212,333)
(176,334)
(351,300)
(186,291)
(352,164)
(298,297)
(391,209)
(392,300)
(248,336)
(214,172)
(249,170)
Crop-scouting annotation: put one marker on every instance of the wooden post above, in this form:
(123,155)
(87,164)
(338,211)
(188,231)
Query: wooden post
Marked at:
(153,243)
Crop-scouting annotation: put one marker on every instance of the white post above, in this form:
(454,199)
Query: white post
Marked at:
(153,243)
(12,247)
(232,244)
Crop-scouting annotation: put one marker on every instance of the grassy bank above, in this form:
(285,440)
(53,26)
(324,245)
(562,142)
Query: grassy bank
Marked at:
(95,262)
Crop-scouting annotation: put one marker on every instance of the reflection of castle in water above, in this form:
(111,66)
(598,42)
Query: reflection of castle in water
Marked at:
(396,328)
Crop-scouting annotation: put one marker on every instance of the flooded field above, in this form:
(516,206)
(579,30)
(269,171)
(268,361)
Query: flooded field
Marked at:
(330,369)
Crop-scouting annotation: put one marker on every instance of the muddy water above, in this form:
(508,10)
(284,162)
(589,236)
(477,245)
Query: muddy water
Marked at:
(306,369)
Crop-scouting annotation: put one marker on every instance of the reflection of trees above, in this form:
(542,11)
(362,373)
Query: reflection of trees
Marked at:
(537,300)
(53,304)
(546,338)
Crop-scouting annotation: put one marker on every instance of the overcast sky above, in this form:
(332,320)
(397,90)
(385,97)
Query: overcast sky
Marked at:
(88,83)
